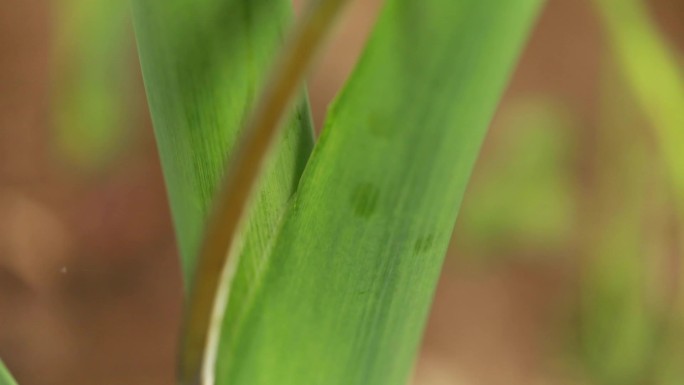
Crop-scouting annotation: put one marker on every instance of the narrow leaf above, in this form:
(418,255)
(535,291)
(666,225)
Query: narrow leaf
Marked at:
(345,293)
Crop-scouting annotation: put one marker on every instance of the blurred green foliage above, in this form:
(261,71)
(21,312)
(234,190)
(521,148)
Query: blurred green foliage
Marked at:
(522,198)
(654,74)
(631,318)
(529,197)
(93,80)
(621,322)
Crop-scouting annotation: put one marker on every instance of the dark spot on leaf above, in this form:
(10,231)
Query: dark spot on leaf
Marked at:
(423,244)
(364,199)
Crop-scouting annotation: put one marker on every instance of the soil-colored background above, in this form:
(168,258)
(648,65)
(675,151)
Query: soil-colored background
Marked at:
(89,279)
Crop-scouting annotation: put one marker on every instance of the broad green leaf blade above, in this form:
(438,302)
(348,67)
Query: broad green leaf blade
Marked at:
(5,376)
(203,63)
(346,291)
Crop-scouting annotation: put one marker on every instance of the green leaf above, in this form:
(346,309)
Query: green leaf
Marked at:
(203,63)
(5,376)
(345,292)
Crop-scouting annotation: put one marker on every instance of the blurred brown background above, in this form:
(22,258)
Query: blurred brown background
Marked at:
(89,280)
